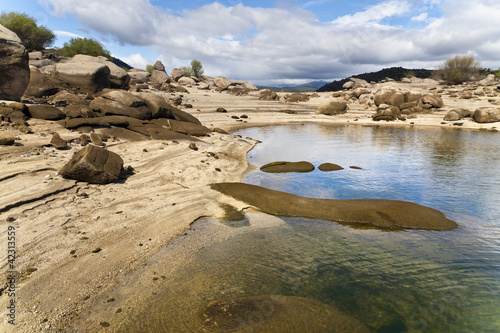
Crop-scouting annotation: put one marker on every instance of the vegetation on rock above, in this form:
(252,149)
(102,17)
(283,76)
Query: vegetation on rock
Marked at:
(33,36)
(86,46)
(458,69)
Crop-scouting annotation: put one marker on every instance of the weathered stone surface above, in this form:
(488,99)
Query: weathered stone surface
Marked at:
(93,164)
(186,81)
(84,76)
(385,214)
(281,167)
(432,100)
(330,167)
(158,105)
(389,96)
(223,83)
(14,66)
(184,116)
(183,127)
(7,139)
(111,107)
(138,75)
(119,78)
(65,98)
(486,115)
(124,134)
(387,112)
(457,114)
(46,112)
(332,107)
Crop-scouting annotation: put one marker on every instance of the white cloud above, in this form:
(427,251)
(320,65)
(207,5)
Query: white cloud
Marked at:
(136,61)
(66,34)
(420,18)
(290,43)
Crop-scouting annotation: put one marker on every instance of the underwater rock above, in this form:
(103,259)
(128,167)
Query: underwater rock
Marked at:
(279,167)
(384,214)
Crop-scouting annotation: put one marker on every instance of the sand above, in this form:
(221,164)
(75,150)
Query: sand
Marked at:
(77,243)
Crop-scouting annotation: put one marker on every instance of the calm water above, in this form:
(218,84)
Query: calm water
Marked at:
(409,281)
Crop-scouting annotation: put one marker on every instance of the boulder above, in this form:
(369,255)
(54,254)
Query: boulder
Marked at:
(159,75)
(7,139)
(65,98)
(457,114)
(46,112)
(486,115)
(14,112)
(14,66)
(138,75)
(297,97)
(361,91)
(281,167)
(268,94)
(390,97)
(223,83)
(43,82)
(332,107)
(177,73)
(94,165)
(158,105)
(58,142)
(183,127)
(387,112)
(119,78)
(83,75)
(431,100)
(488,81)
(329,167)
(186,81)
(348,85)
(108,106)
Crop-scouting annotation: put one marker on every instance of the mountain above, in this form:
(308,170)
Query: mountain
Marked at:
(120,63)
(305,87)
(396,73)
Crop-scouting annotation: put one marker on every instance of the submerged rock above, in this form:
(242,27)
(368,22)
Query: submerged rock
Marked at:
(385,214)
(280,167)
(276,313)
(330,167)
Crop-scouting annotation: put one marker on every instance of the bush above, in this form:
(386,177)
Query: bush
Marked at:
(33,37)
(86,46)
(149,69)
(458,69)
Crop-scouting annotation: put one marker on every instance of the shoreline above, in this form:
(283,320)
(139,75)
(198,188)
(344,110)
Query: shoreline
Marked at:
(133,220)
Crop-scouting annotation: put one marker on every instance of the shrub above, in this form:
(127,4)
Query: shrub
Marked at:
(149,69)
(458,69)
(197,69)
(187,71)
(86,46)
(33,37)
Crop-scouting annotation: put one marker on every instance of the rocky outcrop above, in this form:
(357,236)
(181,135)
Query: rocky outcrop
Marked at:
(94,165)
(268,94)
(384,214)
(177,73)
(457,114)
(223,83)
(159,75)
(297,97)
(332,107)
(138,75)
(46,112)
(82,74)
(14,67)
(119,78)
(282,167)
(387,112)
(486,115)
(7,139)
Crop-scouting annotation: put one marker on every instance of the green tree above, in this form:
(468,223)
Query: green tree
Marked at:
(33,37)
(187,71)
(86,46)
(149,69)
(197,69)
(459,69)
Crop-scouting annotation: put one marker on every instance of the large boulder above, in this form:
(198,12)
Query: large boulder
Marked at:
(109,106)
(158,106)
(177,73)
(431,101)
(390,97)
(223,83)
(387,112)
(268,94)
(186,81)
(297,97)
(138,75)
(119,78)
(332,107)
(486,115)
(14,66)
(457,114)
(65,98)
(94,165)
(159,75)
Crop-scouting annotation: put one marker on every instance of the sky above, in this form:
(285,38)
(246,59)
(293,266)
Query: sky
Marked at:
(282,41)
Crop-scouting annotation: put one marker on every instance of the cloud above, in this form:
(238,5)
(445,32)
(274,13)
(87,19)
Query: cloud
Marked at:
(66,34)
(420,18)
(135,60)
(288,42)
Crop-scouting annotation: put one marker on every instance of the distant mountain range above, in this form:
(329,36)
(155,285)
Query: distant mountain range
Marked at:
(306,87)
(396,73)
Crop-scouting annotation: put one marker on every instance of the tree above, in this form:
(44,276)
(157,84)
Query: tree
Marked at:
(197,69)
(188,71)
(33,37)
(86,46)
(458,69)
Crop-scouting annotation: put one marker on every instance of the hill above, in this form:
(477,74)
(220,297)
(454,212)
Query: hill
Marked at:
(396,73)
(306,87)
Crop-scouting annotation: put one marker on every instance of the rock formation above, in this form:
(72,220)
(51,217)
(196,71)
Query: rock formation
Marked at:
(14,68)
(281,167)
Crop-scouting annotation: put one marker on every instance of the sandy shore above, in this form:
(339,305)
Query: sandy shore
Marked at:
(76,243)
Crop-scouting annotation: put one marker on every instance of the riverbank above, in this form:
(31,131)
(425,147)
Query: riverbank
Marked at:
(76,244)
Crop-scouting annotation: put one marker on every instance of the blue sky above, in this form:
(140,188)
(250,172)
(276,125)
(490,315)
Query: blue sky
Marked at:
(279,41)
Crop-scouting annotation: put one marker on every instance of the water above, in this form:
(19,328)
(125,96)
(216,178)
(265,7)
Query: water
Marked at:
(406,281)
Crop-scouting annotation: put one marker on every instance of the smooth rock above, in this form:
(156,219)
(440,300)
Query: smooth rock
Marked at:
(281,167)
